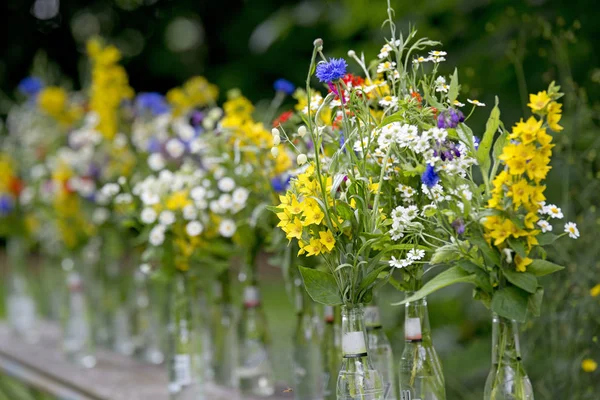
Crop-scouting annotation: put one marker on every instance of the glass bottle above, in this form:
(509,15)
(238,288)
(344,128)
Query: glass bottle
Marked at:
(224,334)
(421,375)
(184,375)
(21,306)
(147,338)
(507,379)
(357,379)
(308,376)
(331,351)
(254,372)
(78,340)
(380,351)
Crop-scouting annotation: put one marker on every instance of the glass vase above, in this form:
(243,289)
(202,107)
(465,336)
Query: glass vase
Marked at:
(308,377)
(185,379)
(148,322)
(224,334)
(78,340)
(357,379)
(254,371)
(507,379)
(21,306)
(420,370)
(331,349)
(380,351)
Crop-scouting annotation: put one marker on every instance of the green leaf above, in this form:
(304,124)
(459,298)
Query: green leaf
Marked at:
(517,246)
(483,152)
(524,280)
(543,267)
(321,286)
(534,306)
(454,87)
(397,117)
(491,256)
(546,238)
(445,253)
(511,302)
(344,211)
(449,277)
(370,279)
(430,99)
(483,279)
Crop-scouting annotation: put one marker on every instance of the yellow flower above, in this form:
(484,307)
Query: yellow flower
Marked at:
(313,248)
(522,263)
(240,106)
(313,215)
(526,131)
(537,168)
(284,218)
(327,239)
(554,116)
(589,365)
(520,192)
(595,291)
(294,229)
(530,219)
(543,138)
(538,102)
(53,101)
(178,200)
(295,207)
(500,230)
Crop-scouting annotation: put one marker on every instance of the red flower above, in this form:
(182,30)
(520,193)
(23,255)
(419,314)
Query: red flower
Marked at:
(15,186)
(283,118)
(354,80)
(417,96)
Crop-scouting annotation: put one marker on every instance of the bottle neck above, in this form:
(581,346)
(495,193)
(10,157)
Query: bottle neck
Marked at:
(372,319)
(505,340)
(353,332)
(416,321)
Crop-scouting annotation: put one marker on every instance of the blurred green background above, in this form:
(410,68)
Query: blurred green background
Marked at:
(505,48)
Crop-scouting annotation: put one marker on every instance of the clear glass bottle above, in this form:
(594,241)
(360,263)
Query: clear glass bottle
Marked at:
(224,334)
(357,379)
(380,351)
(21,306)
(254,372)
(420,370)
(185,379)
(308,376)
(78,339)
(331,351)
(507,379)
(147,325)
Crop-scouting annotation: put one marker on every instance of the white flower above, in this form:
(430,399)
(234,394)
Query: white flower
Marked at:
(385,66)
(421,59)
(123,198)
(156,162)
(458,103)
(227,228)
(183,130)
(437,53)
(196,146)
(275,132)
(476,102)
(166,217)
(122,180)
(148,215)
(157,235)
(226,184)
(438,134)
(239,196)
(100,215)
(415,254)
(302,131)
(301,159)
(274,152)
(553,211)
(110,189)
(276,140)
(198,193)
(437,59)
(388,101)
(571,229)
(225,201)
(194,228)
(545,226)
(175,148)
(385,51)
(396,263)
(440,84)
(189,212)
(149,198)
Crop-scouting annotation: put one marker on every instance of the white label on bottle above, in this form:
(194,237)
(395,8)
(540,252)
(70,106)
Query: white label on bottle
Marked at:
(354,343)
(251,296)
(372,316)
(412,329)
(183,369)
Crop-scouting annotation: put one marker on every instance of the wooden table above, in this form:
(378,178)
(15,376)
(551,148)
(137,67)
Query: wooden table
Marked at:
(115,377)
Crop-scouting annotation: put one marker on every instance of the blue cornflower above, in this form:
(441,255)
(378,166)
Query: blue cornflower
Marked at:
(30,86)
(6,204)
(450,119)
(154,145)
(476,141)
(332,70)
(281,183)
(430,177)
(152,102)
(459,226)
(285,86)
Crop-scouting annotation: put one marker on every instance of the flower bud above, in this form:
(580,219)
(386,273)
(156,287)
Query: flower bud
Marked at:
(318,42)
(275,132)
(274,152)
(351,53)
(302,131)
(276,140)
(301,159)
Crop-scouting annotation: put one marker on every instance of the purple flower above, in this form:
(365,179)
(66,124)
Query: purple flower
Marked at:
(332,70)
(6,204)
(196,118)
(430,178)
(30,86)
(459,226)
(281,183)
(285,86)
(154,103)
(476,141)
(154,145)
(450,118)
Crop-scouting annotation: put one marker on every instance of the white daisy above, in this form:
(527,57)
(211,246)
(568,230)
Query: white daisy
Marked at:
(571,229)
(189,212)
(240,195)
(553,211)
(194,228)
(156,162)
(166,217)
(227,228)
(385,51)
(458,103)
(396,263)
(476,103)
(385,66)
(157,235)
(415,254)
(148,215)
(226,184)
(175,148)
(437,53)
(544,226)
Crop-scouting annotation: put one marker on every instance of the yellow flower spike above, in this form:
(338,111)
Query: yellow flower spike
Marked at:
(589,365)
(530,219)
(537,168)
(520,192)
(314,247)
(554,116)
(526,131)
(294,229)
(538,102)
(595,291)
(327,239)
(522,263)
